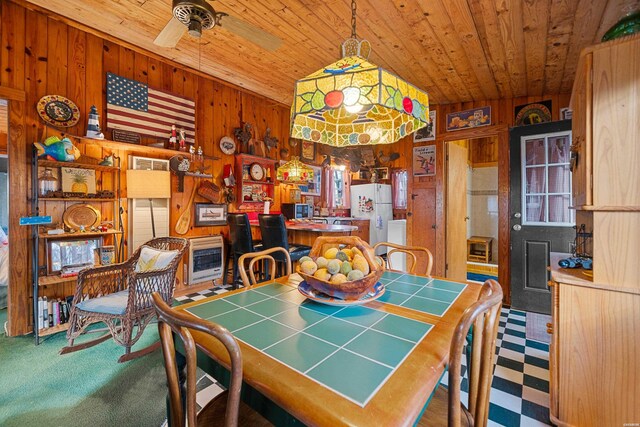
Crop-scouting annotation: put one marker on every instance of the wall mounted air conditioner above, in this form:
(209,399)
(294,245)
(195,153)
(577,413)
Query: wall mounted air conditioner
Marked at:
(139,221)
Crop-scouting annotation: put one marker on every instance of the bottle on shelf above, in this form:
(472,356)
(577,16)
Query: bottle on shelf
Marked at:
(47,183)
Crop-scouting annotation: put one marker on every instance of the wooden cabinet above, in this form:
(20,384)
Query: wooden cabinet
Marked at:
(69,212)
(606,171)
(593,356)
(255,178)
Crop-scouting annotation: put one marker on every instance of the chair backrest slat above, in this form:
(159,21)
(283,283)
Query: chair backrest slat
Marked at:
(182,324)
(483,315)
(262,256)
(418,255)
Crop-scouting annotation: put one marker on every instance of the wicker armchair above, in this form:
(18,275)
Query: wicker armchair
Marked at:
(120,297)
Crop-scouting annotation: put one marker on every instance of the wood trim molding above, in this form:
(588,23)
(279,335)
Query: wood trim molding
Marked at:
(12,94)
(501,131)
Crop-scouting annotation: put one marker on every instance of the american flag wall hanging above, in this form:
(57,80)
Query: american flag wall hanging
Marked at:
(134,107)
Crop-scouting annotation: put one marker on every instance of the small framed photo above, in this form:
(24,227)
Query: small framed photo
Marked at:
(78,180)
(424,160)
(208,214)
(308,151)
(382,173)
(427,133)
(314,187)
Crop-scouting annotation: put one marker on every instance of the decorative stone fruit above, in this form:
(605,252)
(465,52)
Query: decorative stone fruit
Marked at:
(308,266)
(305,258)
(338,278)
(331,253)
(361,264)
(334,266)
(355,275)
(322,262)
(342,256)
(322,274)
(346,267)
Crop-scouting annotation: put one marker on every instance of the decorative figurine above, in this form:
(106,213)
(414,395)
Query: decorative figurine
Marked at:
(181,140)
(270,141)
(56,149)
(244,134)
(93,128)
(174,137)
(107,161)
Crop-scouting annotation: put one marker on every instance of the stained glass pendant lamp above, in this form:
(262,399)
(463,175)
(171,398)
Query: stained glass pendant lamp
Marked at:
(354,102)
(294,172)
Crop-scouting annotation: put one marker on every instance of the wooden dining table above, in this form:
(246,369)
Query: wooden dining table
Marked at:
(306,361)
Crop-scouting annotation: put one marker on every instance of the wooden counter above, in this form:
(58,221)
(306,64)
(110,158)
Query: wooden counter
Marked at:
(305,233)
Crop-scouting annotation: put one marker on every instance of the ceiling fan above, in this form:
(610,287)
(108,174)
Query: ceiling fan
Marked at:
(195,16)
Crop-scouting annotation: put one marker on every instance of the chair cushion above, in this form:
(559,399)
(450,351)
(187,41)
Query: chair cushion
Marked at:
(115,303)
(154,259)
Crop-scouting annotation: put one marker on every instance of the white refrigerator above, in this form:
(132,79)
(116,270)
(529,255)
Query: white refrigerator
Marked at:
(373,201)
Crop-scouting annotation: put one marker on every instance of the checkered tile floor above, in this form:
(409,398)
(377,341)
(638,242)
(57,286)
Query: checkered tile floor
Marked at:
(520,389)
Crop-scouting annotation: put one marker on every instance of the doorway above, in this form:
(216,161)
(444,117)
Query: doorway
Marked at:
(540,219)
(472,208)
(4,205)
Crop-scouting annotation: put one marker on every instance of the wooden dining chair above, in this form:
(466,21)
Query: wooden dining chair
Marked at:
(262,256)
(416,254)
(226,408)
(446,408)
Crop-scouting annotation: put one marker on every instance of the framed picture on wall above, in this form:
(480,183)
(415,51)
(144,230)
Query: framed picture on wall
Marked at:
(466,119)
(208,214)
(424,160)
(427,133)
(313,188)
(308,151)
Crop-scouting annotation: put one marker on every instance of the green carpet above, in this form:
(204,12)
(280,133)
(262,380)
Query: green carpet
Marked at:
(86,388)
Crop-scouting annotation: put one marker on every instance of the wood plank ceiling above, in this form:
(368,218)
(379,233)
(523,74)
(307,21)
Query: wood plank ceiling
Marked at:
(456,50)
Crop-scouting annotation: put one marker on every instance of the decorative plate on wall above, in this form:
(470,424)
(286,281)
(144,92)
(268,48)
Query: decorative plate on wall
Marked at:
(227,145)
(81,216)
(58,111)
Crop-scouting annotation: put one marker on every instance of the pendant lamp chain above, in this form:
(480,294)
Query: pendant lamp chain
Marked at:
(353,19)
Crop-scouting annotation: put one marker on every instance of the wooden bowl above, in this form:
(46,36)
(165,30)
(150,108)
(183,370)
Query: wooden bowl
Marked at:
(353,290)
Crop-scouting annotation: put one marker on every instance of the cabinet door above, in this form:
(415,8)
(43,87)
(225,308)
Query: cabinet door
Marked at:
(581,147)
(616,151)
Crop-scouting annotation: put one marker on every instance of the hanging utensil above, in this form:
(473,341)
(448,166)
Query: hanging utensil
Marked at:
(182,225)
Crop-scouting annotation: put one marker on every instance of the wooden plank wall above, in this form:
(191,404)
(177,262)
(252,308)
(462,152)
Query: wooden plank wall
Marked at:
(41,56)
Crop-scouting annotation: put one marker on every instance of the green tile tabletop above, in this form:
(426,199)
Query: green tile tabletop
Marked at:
(352,351)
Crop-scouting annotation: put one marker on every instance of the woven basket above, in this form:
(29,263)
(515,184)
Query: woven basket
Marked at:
(353,290)
(209,191)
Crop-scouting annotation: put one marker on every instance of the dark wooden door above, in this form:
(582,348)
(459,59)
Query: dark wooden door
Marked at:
(540,219)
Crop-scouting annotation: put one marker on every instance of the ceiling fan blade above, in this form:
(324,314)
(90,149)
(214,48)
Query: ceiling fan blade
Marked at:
(251,33)
(170,34)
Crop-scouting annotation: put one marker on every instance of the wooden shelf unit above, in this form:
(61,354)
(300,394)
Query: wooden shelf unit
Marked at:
(53,329)
(55,206)
(594,366)
(79,234)
(245,185)
(148,150)
(54,280)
